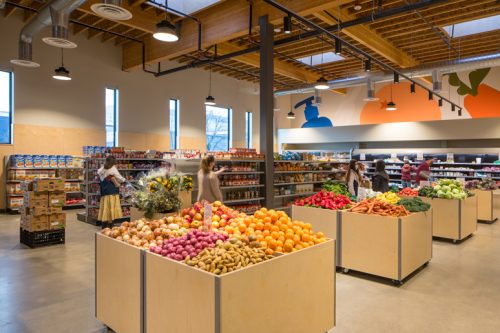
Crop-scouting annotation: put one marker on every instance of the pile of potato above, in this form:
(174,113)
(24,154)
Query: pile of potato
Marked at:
(226,257)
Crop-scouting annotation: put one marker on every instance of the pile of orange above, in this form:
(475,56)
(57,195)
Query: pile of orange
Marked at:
(275,231)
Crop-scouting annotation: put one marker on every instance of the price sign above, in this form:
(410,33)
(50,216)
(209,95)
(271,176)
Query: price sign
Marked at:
(207,220)
(449,157)
(362,157)
(424,183)
(420,157)
(394,155)
(462,180)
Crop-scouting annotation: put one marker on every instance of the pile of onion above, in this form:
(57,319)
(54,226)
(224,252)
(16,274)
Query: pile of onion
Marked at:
(188,245)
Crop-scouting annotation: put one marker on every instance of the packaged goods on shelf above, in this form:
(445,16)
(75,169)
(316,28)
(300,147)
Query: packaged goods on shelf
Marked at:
(242,194)
(186,154)
(14,188)
(246,166)
(14,202)
(238,180)
(44,184)
(237,154)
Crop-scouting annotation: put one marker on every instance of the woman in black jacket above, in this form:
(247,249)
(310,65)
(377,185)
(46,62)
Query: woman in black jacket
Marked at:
(380,180)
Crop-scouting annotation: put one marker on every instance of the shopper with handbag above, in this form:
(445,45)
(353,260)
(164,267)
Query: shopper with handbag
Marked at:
(208,181)
(110,180)
(353,177)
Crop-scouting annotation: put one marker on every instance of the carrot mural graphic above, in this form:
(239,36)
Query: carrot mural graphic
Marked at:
(410,107)
(481,100)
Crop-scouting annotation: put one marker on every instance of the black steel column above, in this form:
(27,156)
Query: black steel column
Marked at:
(266,105)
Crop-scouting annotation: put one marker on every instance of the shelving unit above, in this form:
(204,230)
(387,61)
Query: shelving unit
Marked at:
(448,165)
(305,178)
(13,183)
(91,184)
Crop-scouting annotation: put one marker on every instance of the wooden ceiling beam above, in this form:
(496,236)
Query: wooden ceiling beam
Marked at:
(220,22)
(370,39)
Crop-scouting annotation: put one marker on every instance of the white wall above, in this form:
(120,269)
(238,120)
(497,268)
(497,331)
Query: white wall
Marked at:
(41,100)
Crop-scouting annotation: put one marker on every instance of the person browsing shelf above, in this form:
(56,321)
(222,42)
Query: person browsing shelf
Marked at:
(380,179)
(208,180)
(424,170)
(110,180)
(406,172)
(353,177)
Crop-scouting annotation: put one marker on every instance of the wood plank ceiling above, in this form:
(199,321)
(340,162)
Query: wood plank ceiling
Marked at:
(403,40)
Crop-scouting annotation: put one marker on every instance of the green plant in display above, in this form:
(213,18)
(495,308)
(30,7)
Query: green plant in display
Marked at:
(414,205)
(338,188)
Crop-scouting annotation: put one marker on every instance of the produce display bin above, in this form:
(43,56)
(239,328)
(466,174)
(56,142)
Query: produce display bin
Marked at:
(36,239)
(118,285)
(324,220)
(453,218)
(485,205)
(389,247)
(267,297)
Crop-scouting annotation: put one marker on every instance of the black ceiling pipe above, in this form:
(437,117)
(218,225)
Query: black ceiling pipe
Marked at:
(314,33)
(322,30)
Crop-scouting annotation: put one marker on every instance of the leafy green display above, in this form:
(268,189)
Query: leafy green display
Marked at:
(338,188)
(426,191)
(414,204)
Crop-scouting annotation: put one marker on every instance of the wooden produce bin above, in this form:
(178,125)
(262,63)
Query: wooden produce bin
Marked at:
(290,293)
(485,206)
(389,247)
(453,218)
(118,285)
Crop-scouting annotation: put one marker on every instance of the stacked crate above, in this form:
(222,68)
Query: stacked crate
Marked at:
(42,208)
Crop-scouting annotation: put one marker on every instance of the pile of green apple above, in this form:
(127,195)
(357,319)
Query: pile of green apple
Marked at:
(449,189)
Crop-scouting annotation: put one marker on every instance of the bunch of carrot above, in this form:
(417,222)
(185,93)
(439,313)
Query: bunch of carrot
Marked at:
(379,207)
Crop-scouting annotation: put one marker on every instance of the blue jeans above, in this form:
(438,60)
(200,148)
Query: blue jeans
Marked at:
(406,183)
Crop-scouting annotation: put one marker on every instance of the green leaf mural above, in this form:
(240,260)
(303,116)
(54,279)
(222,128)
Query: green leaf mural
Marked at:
(475,77)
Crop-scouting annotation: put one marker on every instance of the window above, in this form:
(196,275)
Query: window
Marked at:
(319,59)
(174,124)
(6,102)
(111,117)
(248,129)
(218,130)
(473,27)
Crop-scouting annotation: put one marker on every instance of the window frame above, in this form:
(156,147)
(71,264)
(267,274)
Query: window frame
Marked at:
(176,143)
(229,123)
(116,98)
(10,107)
(248,129)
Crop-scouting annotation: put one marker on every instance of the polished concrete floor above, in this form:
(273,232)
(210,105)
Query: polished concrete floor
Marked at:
(51,290)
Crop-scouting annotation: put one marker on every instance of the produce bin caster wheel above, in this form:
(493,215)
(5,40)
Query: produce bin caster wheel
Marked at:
(455,241)
(345,270)
(426,264)
(397,283)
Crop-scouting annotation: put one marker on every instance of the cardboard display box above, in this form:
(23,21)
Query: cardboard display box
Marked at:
(44,184)
(215,303)
(57,221)
(34,211)
(453,218)
(54,210)
(35,199)
(57,199)
(485,206)
(35,223)
(386,246)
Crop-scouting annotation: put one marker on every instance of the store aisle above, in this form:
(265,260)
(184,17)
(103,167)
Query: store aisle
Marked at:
(48,289)
(52,289)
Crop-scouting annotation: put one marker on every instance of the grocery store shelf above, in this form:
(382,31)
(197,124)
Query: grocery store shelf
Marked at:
(133,169)
(73,192)
(300,183)
(310,171)
(74,205)
(97,206)
(242,200)
(242,172)
(315,162)
(240,186)
(15,195)
(133,159)
(390,174)
(293,195)
(73,180)
(14,181)
(62,168)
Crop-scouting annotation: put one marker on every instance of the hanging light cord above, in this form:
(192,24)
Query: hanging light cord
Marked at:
(210,81)
(62,57)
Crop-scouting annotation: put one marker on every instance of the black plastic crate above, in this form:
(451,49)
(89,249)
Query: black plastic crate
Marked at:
(42,238)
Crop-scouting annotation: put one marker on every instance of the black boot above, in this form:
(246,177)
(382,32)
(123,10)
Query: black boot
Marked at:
(105,225)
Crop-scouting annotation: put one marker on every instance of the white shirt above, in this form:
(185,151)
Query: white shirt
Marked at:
(113,171)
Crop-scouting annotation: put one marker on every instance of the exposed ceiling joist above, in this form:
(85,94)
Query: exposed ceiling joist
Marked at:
(221,22)
(369,38)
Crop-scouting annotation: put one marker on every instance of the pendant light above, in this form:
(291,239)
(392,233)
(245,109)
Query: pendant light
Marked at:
(440,102)
(368,65)
(412,88)
(338,46)
(165,30)
(322,83)
(396,77)
(391,106)
(291,114)
(460,112)
(61,73)
(210,100)
(287,24)
(453,107)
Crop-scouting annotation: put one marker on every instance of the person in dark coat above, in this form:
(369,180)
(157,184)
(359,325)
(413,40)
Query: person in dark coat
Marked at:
(380,180)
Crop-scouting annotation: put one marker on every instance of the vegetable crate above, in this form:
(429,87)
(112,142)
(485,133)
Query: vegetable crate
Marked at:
(42,238)
(324,220)
(485,212)
(453,219)
(163,295)
(385,246)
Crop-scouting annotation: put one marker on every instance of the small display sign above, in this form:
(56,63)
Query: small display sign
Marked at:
(362,157)
(207,220)
(420,157)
